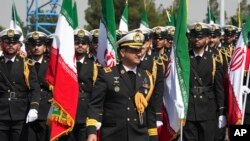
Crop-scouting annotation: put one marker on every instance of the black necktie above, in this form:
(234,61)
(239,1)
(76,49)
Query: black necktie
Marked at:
(9,65)
(37,66)
(132,77)
(78,65)
(198,59)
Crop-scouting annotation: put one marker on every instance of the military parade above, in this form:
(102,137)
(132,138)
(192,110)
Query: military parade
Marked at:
(185,81)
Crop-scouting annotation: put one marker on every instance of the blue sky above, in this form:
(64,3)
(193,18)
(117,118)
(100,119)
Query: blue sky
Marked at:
(197,9)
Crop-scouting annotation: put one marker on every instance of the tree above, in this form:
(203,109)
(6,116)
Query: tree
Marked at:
(244,10)
(155,17)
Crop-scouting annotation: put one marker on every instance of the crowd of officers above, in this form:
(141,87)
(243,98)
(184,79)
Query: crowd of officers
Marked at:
(123,102)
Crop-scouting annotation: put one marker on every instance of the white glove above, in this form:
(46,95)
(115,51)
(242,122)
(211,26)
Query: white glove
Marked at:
(159,123)
(98,126)
(245,90)
(32,115)
(222,121)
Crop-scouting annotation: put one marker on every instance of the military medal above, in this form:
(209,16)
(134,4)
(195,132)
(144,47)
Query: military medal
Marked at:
(116,84)
(117,89)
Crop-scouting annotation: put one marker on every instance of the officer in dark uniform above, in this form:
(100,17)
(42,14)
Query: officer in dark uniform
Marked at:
(94,43)
(155,66)
(87,73)
(123,94)
(229,41)
(214,46)
(159,45)
(169,39)
(206,98)
(19,88)
(36,44)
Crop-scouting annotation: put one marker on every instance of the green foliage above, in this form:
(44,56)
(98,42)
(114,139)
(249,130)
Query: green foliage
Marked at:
(156,16)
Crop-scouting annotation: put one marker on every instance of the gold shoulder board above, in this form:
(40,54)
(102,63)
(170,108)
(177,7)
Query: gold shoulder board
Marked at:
(107,69)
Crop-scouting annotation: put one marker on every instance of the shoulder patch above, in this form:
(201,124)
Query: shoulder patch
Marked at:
(107,69)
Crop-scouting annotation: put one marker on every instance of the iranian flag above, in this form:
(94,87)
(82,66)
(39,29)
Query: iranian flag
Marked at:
(16,24)
(234,78)
(62,74)
(144,17)
(107,51)
(124,20)
(176,88)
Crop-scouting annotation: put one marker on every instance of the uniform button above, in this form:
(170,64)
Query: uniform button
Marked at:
(8,90)
(128,108)
(194,96)
(128,119)
(129,98)
(41,90)
(135,109)
(82,83)
(135,119)
(14,82)
(201,97)
(194,86)
(194,77)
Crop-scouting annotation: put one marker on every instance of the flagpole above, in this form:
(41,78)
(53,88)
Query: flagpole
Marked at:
(245,97)
(222,13)
(181,130)
(239,14)
(14,12)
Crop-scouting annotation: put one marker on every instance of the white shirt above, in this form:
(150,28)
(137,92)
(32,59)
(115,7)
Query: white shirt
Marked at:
(81,60)
(127,69)
(12,59)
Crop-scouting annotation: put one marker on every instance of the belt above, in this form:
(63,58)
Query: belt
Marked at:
(12,96)
(200,90)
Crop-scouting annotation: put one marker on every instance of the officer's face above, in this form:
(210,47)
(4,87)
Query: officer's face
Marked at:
(130,57)
(37,49)
(81,48)
(214,41)
(198,41)
(10,48)
(145,47)
(159,43)
(229,39)
(169,43)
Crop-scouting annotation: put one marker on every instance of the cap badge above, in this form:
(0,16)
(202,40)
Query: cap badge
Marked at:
(35,35)
(230,28)
(10,33)
(213,28)
(96,33)
(158,30)
(171,31)
(198,27)
(137,37)
(80,33)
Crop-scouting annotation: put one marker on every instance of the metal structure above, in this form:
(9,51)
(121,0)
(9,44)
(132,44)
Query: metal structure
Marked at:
(41,15)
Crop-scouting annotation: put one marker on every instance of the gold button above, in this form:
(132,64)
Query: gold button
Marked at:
(128,119)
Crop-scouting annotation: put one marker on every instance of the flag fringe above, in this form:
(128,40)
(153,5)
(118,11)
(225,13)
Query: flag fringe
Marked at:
(63,118)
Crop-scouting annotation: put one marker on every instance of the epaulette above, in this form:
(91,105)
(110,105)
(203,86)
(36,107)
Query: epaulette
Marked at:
(107,69)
